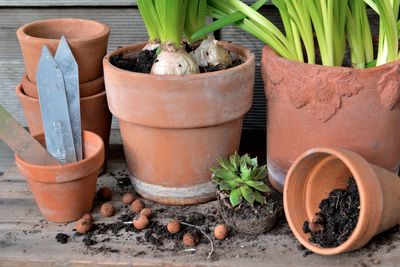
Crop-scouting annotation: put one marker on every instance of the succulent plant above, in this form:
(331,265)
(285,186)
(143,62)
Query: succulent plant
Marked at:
(241,178)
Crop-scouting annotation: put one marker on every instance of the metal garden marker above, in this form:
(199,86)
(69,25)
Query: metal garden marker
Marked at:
(67,63)
(58,89)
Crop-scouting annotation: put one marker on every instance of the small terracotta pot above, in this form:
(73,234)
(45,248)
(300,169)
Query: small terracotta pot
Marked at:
(85,89)
(175,127)
(319,171)
(64,193)
(87,38)
(95,116)
(313,105)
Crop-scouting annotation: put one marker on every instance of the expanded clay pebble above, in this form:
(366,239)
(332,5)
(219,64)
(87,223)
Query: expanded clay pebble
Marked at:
(220,232)
(147,212)
(137,205)
(128,198)
(83,225)
(107,209)
(104,194)
(190,240)
(140,222)
(174,226)
(88,217)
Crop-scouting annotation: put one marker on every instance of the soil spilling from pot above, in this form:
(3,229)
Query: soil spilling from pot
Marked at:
(143,61)
(337,218)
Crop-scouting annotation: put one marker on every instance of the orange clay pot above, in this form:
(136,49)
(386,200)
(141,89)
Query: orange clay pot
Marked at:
(64,193)
(95,116)
(175,127)
(313,105)
(319,171)
(85,89)
(87,38)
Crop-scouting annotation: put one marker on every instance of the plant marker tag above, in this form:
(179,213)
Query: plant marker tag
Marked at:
(54,109)
(21,142)
(69,68)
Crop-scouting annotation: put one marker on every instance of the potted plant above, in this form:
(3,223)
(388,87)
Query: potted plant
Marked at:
(174,121)
(316,96)
(247,204)
(335,201)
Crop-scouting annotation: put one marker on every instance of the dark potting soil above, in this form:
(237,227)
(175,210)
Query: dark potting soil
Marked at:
(141,63)
(62,238)
(144,60)
(255,220)
(337,218)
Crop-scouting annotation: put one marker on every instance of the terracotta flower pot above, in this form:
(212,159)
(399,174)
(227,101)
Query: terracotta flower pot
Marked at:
(64,193)
(175,127)
(87,38)
(85,89)
(319,171)
(312,105)
(95,116)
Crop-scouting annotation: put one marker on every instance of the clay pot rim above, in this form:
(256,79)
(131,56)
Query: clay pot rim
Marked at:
(104,30)
(20,93)
(248,57)
(270,52)
(82,86)
(362,225)
(84,164)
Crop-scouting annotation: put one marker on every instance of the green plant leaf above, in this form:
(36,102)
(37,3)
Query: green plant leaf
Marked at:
(224,174)
(223,186)
(253,183)
(235,197)
(259,198)
(262,188)
(261,173)
(235,160)
(226,164)
(248,194)
(245,172)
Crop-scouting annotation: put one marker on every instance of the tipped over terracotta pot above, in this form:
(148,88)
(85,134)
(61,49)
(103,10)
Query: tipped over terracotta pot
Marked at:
(64,193)
(319,171)
(319,106)
(174,128)
(87,39)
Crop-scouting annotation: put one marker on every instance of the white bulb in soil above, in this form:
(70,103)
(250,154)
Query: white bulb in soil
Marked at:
(151,46)
(210,53)
(174,62)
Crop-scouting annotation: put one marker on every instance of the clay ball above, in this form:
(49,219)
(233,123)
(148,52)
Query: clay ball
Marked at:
(190,240)
(88,217)
(128,198)
(104,194)
(137,205)
(83,225)
(147,212)
(140,222)
(107,209)
(173,226)
(220,232)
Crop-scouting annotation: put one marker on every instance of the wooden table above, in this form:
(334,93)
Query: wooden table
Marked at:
(26,239)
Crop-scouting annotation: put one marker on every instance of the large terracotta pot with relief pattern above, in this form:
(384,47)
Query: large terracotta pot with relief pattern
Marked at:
(312,106)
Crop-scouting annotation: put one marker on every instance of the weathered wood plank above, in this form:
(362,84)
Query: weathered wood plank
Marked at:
(28,240)
(64,3)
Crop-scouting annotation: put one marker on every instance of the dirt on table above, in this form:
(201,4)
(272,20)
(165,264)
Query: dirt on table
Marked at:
(337,218)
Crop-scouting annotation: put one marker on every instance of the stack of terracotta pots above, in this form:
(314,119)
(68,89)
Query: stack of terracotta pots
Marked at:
(88,41)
